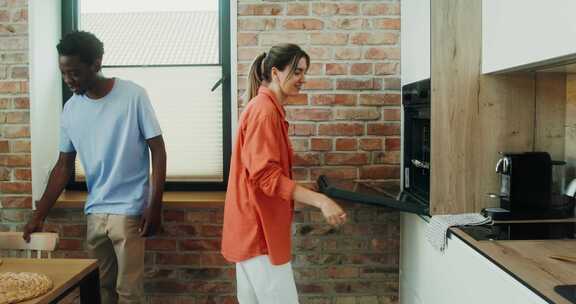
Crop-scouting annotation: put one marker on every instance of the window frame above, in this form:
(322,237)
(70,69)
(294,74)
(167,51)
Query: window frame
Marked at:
(70,22)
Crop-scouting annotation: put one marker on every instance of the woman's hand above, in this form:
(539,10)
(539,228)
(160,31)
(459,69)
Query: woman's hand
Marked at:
(332,212)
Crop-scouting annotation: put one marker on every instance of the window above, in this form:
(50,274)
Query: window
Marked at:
(179,51)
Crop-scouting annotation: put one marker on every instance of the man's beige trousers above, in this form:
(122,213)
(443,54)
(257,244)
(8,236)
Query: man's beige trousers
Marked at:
(115,241)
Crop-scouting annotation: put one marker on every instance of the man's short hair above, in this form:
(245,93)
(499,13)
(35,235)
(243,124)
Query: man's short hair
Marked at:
(82,44)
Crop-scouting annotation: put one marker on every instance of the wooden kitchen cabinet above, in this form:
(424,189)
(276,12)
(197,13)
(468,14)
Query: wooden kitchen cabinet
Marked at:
(474,116)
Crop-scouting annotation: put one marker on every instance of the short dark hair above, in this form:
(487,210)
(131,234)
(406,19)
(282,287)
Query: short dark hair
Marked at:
(82,44)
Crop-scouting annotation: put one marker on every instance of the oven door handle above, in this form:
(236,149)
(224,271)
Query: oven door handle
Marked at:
(421,164)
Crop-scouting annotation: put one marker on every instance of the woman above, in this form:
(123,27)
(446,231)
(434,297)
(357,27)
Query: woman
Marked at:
(259,199)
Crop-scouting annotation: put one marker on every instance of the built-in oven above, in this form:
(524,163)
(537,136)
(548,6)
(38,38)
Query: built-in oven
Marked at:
(416,133)
(414,193)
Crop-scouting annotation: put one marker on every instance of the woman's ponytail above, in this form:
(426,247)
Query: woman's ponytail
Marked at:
(254,77)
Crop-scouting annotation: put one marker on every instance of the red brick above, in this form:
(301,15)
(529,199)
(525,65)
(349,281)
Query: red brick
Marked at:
(203,216)
(5,174)
(348,23)
(70,244)
(259,9)
(357,114)
(22,103)
(215,259)
(389,68)
(300,129)
(381,53)
(4,103)
(4,146)
(329,38)
(348,53)
(16,131)
(343,272)
(180,230)
(300,99)
(256,24)
(337,99)
(358,84)
(318,84)
(242,69)
(16,187)
(336,69)
(392,84)
(392,114)
(298,9)
(374,38)
(320,144)
(210,230)
(380,172)
(315,69)
(386,24)
(371,144)
(249,54)
(170,258)
(303,24)
(383,129)
(325,9)
(199,245)
(73,231)
(389,157)
(376,9)
(4,15)
(15,160)
(23,174)
(20,15)
(299,144)
(306,159)
(319,53)
(19,73)
(346,158)
(361,69)
(247,39)
(15,57)
(20,146)
(346,144)
(341,129)
(309,114)
(348,9)
(300,174)
(380,99)
(173,216)
(20,117)
(16,201)
(345,173)
(270,38)
(9,87)
(392,144)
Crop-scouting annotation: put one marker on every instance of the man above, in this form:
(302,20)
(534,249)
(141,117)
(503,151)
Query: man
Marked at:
(110,123)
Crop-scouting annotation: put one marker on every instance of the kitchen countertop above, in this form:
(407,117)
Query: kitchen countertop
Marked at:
(529,262)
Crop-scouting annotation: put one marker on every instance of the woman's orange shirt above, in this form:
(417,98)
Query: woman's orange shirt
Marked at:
(259,206)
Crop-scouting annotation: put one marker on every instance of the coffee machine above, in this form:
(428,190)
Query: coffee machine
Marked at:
(526,189)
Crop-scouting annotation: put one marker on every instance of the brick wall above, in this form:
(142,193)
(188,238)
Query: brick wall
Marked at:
(15,175)
(346,125)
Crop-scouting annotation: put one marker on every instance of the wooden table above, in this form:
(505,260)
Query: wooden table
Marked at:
(67,274)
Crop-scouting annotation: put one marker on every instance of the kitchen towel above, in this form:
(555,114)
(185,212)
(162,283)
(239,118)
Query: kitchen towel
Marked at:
(439,225)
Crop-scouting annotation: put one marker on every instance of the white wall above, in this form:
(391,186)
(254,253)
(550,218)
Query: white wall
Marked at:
(521,32)
(45,89)
(415,40)
(459,275)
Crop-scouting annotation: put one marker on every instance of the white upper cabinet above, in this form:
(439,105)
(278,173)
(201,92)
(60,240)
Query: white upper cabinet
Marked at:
(527,33)
(415,22)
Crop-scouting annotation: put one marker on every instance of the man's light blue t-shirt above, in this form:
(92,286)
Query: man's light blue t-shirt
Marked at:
(109,135)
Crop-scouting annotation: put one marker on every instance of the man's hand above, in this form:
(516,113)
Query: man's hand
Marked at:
(151,222)
(34,224)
